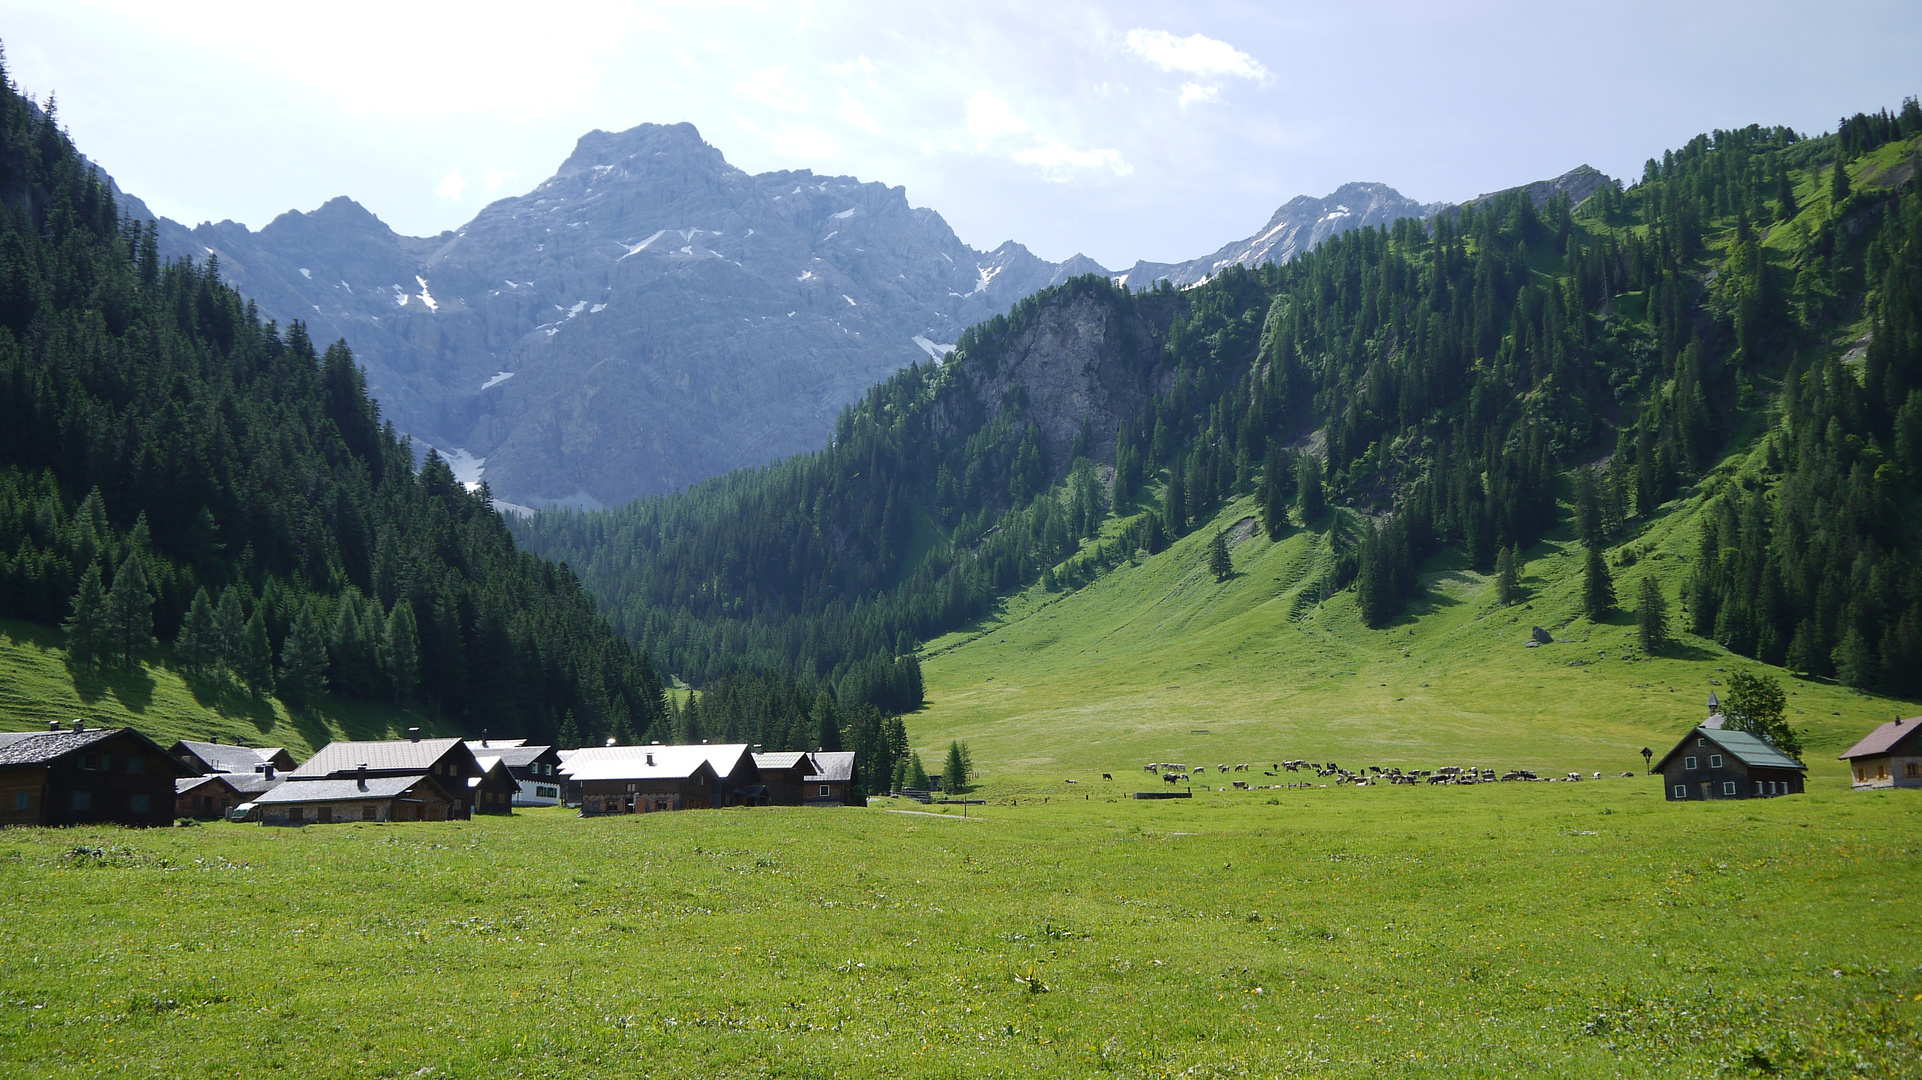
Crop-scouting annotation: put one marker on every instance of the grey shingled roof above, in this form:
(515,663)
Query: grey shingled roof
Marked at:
(222,757)
(832,766)
(41,747)
(1883,739)
(311,791)
(246,784)
(391,756)
(514,757)
(785,759)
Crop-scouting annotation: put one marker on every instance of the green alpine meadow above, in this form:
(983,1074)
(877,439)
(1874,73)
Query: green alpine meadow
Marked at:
(1473,639)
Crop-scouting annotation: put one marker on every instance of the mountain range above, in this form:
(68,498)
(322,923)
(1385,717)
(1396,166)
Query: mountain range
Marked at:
(652,315)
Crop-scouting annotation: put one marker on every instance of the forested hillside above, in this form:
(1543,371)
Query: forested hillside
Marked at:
(1453,383)
(180,481)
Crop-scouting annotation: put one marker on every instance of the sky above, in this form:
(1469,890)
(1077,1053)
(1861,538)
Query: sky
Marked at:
(1123,131)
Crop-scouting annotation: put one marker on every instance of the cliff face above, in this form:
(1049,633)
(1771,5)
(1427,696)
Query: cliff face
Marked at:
(647,317)
(1084,363)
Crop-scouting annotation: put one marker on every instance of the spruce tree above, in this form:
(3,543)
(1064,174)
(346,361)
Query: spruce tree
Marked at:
(917,777)
(256,656)
(230,625)
(303,661)
(1507,576)
(1310,499)
(1856,663)
(197,646)
(87,626)
(1651,615)
(1785,207)
(403,650)
(568,735)
(827,724)
(1838,184)
(129,611)
(1598,587)
(1218,562)
(954,772)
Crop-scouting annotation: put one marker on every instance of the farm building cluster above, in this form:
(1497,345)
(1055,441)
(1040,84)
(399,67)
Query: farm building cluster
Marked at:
(81,775)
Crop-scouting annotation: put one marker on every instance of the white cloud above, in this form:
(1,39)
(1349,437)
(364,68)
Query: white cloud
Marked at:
(769,87)
(1196,92)
(1058,161)
(1195,54)
(452,185)
(989,117)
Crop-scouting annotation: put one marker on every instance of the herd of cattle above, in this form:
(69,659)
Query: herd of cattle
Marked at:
(1175,773)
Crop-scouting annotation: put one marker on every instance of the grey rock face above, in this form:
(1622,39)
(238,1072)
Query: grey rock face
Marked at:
(647,317)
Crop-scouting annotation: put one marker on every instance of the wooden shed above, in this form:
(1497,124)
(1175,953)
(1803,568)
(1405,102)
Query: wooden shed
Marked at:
(209,797)
(832,781)
(1888,757)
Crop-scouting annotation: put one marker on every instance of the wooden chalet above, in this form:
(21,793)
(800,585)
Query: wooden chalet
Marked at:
(86,776)
(832,782)
(784,775)
(448,761)
(1888,757)
(358,797)
(209,797)
(1720,763)
(654,779)
(493,791)
(536,769)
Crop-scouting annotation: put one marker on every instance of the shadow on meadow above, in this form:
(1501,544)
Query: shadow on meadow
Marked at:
(132,687)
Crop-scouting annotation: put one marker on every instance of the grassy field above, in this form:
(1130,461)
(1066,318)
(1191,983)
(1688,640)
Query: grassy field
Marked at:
(38,685)
(1160,662)
(1504,930)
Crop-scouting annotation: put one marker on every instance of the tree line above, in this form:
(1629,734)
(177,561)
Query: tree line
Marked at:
(182,481)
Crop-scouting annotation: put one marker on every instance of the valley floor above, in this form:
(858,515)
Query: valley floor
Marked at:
(1504,930)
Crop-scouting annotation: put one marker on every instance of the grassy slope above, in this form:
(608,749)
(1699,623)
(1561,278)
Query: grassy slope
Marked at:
(1511,930)
(1122,672)
(1125,671)
(37,685)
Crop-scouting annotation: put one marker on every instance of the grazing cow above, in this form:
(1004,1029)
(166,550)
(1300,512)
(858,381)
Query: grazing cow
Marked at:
(1071,781)
(1105,776)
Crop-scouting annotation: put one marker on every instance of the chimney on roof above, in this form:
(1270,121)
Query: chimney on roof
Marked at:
(610,740)
(79,724)
(268,770)
(53,725)
(650,759)
(656,742)
(413,734)
(360,775)
(483,738)
(757,748)
(703,742)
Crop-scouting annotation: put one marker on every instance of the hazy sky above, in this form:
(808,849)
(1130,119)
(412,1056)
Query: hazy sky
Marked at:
(1121,130)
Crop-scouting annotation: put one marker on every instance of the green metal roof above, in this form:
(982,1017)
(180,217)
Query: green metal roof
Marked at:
(1749,749)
